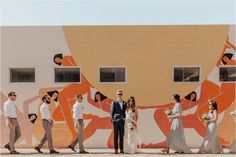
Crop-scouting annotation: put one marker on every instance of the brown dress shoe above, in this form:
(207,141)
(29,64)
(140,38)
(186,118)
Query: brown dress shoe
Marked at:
(14,152)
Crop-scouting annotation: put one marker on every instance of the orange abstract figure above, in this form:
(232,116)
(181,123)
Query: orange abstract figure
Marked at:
(61,60)
(103,103)
(227,58)
(66,99)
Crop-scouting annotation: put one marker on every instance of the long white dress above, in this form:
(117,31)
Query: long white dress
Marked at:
(211,143)
(175,138)
(232,147)
(131,139)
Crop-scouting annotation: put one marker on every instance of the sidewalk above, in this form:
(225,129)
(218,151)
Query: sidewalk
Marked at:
(109,153)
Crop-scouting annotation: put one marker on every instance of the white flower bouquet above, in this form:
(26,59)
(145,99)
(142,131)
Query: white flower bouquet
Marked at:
(233,113)
(168,112)
(205,116)
(131,122)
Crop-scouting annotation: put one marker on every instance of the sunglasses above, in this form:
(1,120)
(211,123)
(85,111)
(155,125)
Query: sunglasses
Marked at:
(119,94)
(14,95)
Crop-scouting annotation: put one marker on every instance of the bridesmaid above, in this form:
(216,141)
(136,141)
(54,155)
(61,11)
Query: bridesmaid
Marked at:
(175,138)
(211,142)
(232,147)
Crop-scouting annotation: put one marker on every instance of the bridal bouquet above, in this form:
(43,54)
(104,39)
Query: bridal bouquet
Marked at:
(205,116)
(131,122)
(233,113)
(168,112)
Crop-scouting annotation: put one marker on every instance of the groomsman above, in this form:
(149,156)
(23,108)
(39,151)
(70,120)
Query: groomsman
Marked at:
(47,125)
(78,124)
(118,108)
(11,117)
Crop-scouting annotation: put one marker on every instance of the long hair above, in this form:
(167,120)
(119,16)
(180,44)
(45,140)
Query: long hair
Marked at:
(228,55)
(103,97)
(214,105)
(188,97)
(176,97)
(131,106)
(44,98)
(50,93)
(59,55)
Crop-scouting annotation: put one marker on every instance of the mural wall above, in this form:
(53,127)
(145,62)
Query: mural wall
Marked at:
(48,47)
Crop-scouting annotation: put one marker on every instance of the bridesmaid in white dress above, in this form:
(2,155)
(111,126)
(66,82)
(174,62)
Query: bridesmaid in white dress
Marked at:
(232,147)
(175,138)
(211,142)
(131,139)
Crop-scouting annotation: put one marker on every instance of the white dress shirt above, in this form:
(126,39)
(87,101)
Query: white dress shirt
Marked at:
(121,104)
(45,111)
(78,111)
(10,109)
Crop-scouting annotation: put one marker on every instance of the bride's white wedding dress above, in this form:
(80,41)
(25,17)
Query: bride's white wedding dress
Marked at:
(131,140)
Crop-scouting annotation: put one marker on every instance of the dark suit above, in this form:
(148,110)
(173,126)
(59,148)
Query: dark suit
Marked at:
(118,119)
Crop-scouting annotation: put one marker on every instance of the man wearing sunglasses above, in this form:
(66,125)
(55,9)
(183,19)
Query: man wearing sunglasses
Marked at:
(118,108)
(10,114)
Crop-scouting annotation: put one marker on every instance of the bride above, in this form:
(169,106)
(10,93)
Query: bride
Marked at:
(132,139)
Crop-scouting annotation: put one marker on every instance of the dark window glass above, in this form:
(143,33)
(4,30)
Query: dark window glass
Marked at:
(227,74)
(178,74)
(22,75)
(186,74)
(67,74)
(191,74)
(112,75)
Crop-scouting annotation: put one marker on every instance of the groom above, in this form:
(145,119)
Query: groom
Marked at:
(118,108)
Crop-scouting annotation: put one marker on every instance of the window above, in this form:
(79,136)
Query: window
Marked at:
(22,75)
(67,74)
(227,74)
(113,74)
(186,74)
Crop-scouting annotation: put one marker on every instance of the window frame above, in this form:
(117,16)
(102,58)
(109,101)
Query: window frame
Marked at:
(186,66)
(9,75)
(65,67)
(119,66)
(225,66)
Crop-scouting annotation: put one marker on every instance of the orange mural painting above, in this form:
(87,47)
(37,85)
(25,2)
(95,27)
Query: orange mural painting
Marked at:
(97,108)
